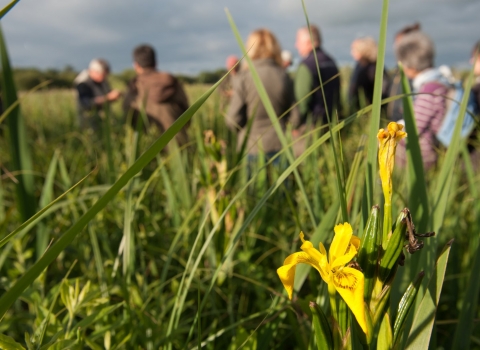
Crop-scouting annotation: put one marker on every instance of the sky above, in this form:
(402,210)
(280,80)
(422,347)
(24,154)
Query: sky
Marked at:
(194,35)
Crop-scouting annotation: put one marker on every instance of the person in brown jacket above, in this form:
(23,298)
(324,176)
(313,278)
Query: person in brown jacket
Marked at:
(245,104)
(158,94)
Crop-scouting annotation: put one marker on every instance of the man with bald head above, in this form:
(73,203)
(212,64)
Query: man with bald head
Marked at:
(312,109)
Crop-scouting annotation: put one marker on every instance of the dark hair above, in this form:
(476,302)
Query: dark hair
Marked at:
(144,56)
(415,27)
(476,48)
(105,65)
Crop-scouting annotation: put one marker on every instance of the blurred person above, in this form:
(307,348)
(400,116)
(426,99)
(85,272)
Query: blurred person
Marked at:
(264,51)
(416,52)
(474,139)
(158,93)
(312,109)
(225,88)
(94,93)
(362,81)
(395,108)
(287,59)
(476,72)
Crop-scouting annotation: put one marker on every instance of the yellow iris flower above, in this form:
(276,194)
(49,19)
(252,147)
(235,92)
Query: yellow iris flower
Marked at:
(347,281)
(387,144)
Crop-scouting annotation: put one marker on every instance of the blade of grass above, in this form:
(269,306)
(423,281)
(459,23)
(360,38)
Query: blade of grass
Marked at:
(339,180)
(463,330)
(33,219)
(20,155)
(371,164)
(272,115)
(7,8)
(45,198)
(420,333)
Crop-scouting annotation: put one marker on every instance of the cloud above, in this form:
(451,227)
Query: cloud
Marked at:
(191,36)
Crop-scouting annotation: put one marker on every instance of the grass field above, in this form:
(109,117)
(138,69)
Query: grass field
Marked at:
(145,247)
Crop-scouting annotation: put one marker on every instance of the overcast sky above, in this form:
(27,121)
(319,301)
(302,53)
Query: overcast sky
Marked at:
(194,35)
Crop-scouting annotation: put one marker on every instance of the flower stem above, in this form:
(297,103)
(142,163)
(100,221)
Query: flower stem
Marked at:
(387,224)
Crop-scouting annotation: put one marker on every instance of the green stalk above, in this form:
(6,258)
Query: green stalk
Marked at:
(371,165)
(19,149)
(340,181)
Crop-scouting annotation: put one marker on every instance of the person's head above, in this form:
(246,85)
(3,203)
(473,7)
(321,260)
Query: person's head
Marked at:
(144,58)
(411,28)
(98,69)
(231,61)
(416,52)
(287,59)
(261,43)
(304,43)
(476,62)
(364,50)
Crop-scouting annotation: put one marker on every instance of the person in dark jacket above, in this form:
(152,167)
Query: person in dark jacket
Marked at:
(159,94)
(476,72)
(312,108)
(474,138)
(362,81)
(93,93)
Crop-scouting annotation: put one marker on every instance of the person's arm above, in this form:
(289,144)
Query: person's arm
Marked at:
(303,86)
(237,111)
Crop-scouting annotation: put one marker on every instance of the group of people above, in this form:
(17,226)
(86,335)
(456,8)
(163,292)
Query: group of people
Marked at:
(152,93)
(311,98)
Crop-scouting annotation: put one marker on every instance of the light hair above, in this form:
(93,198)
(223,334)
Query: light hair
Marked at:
(99,65)
(476,48)
(416,51)
(316,36)
(261,43)
(367,49)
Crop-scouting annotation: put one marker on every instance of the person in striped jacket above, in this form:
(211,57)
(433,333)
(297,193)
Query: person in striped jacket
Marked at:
(416,53)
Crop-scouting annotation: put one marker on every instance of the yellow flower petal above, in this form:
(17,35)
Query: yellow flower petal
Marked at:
(343,260)
(287,271)
(387,144)
(349,283)
(355,241)
(319,257)
(343,234)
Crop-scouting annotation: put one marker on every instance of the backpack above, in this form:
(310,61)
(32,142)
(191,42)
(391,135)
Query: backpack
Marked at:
(443,75)
(455,96)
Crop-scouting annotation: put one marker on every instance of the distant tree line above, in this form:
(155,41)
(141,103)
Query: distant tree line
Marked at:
(28,78)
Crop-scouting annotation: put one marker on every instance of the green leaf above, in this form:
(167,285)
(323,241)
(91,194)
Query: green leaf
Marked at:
(267,104)
(338,177)
(394,246)
(35,218)
(371,165)
(421,331)
(94,317)
(405,306)
(463,331)
(7,343)
(7,8)
(385,337)
(418,198)
(19,148)
(368,253)
(323,333)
